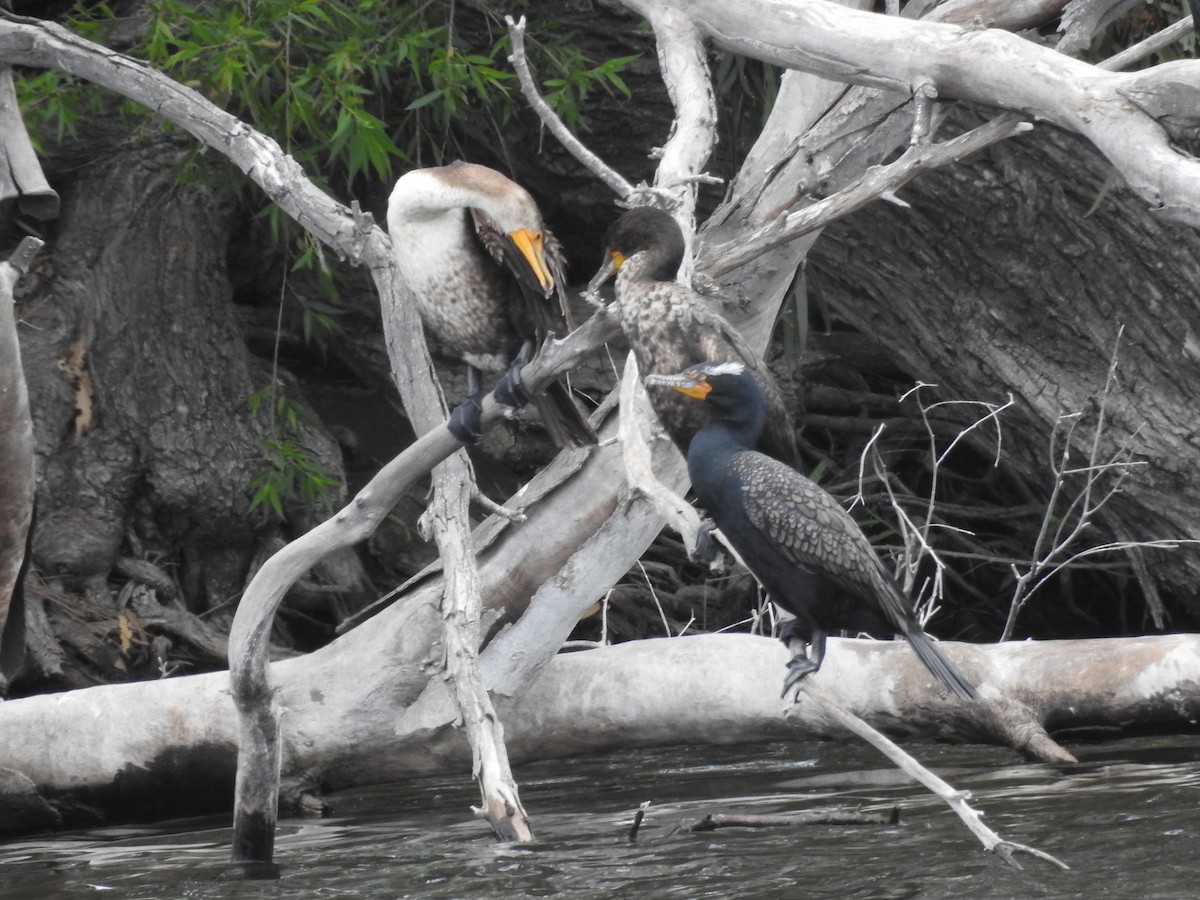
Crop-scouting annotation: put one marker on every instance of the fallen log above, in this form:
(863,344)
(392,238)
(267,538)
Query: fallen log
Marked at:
(168,748)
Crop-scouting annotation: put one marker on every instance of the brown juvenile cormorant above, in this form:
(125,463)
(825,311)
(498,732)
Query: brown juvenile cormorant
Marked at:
(799,542)
(669,327)
(472,247)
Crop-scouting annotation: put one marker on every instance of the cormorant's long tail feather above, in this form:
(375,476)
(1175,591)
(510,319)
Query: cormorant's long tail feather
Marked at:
(941,667)
(563,417)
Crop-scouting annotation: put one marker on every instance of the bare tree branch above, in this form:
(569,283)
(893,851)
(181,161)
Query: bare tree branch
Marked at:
(987,66)
(956,800)
(18,474)
(461,610)
(1149,46)
(637,415)
(877,182)
(520,62)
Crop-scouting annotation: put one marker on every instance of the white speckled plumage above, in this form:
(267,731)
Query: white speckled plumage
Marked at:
(463,294)
(486,276)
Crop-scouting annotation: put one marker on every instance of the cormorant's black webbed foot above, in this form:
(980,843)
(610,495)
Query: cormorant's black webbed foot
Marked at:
(466,421)
(509,390)
(808,649)
(709,551)
(707,548)
(800,666)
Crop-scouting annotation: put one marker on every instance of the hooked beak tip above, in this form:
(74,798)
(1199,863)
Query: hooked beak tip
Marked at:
(604,274)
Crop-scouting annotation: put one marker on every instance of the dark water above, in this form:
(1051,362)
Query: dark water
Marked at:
(1126,820)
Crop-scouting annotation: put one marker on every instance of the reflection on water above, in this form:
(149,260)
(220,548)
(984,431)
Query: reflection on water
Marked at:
(1126,819)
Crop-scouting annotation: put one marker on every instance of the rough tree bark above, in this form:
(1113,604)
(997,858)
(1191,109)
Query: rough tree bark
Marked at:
(139,378)
(138,374)
(1023,290)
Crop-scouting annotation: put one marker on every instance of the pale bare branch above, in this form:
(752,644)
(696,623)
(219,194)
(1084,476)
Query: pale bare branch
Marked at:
(557,127)
(636,414)
(987,66)
(876,183)
(955,799)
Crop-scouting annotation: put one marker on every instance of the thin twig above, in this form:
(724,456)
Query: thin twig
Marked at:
(637,821)
(593,163)
(862,463)
(917,542)
(499,509)
(662,613)
(1049,553)
(713,821)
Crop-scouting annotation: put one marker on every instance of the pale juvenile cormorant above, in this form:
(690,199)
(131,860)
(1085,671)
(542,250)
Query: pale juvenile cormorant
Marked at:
(669,326)
(799,542)
(471,245)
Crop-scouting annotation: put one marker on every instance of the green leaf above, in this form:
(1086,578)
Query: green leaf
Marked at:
(431,97)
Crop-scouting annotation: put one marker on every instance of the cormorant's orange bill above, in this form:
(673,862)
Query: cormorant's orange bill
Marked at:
(612,263)
(697,391)
(532,247)
(685,383)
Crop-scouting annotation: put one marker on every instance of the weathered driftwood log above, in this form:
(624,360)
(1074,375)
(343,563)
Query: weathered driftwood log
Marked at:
(17,476)
(173,752)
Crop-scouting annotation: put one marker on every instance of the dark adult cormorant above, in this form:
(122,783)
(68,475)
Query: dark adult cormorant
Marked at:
(471,245)
(669,327)
(799,542)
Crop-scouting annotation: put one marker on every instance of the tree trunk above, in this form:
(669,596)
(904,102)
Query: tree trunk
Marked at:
(1015,272)
(140,380)
(138,375)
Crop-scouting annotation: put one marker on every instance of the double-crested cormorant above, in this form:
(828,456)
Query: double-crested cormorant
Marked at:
(669,327)
(472,247)
(799,542)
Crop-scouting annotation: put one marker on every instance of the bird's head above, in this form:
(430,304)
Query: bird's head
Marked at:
(731,391)
(504,215)
(642,229)
(509,223)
